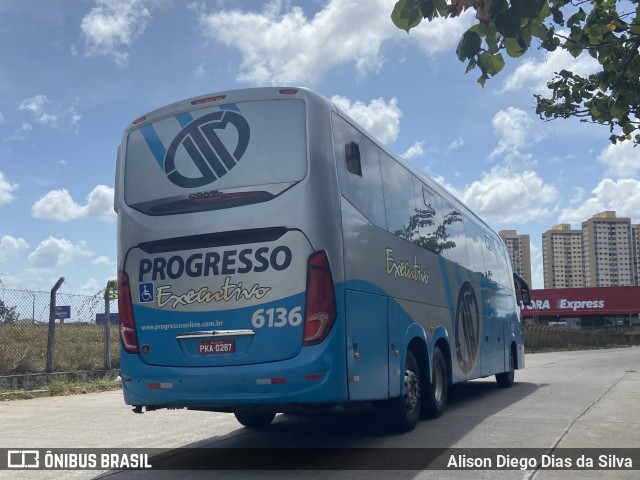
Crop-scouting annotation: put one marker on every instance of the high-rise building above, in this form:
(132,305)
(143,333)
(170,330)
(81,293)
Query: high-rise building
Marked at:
(608,251)
(519,248)
(562,257)
(635,245)
(603,253)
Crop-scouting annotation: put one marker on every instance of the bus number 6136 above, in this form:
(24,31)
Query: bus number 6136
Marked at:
(276,317)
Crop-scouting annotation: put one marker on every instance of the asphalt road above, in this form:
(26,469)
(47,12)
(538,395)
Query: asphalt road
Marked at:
(587,400)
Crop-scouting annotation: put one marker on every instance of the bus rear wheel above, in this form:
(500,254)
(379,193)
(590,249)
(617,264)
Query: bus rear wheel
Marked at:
(506,379)
(404,411)
(254,418)
(435,399)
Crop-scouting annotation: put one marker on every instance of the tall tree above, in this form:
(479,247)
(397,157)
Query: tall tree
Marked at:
(608,30)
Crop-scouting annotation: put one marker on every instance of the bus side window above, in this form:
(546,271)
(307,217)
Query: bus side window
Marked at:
(495,262)
(399,200)
(358,165)
(453,234)
(352,156)
(522,288)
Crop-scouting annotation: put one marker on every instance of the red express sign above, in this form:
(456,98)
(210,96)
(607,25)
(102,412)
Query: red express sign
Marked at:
(576,302)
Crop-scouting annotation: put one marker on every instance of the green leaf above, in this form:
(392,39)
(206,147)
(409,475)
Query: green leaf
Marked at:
(539,30)
(490,64)
(576,18)
(428,9)
(469,45)
(557,15)
(406,15)
(492,42)
(513,47)
(472,64)
(619,112)
(527,8)
(497,7)
(575,51)
(508,23)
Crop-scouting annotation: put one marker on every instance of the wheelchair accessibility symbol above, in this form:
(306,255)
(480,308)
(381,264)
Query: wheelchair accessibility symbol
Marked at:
(146,292)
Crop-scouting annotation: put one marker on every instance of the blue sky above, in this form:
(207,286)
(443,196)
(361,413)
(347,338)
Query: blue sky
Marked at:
(75,73)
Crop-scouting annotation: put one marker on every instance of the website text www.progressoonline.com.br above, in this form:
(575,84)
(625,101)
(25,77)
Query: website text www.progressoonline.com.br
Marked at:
(179,326)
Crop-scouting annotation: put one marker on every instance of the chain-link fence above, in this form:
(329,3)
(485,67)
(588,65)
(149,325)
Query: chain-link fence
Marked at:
(61,332)
(56,332)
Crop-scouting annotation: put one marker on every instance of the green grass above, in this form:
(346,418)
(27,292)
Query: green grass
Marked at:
(23,348)
(57,387)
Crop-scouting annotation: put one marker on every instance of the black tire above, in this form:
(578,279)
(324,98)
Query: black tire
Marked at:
(403,412)
(435,399)
(506,379)
(254,418)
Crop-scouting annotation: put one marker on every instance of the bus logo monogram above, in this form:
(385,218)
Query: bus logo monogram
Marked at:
(467,328)
(208,153)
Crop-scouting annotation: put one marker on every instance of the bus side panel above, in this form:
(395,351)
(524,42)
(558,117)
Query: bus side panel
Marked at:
(367,333)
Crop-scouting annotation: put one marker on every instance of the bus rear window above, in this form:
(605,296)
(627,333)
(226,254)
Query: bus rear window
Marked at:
(219,157)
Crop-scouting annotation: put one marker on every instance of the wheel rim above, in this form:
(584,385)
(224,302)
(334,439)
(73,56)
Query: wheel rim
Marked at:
(512,369)
(412,384)
(437,383)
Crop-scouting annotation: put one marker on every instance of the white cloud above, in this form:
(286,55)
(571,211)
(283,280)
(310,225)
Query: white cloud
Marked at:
(48,114)
(36,105)
(507,197)
(104,260)
(380,118)
(113,25)
(11,246)
(7,190)
(21,133)
(622,159)
(414,151)
(200,71)
(622,196)
(441,34)
(1,117)
(534,74)
(92,287)
(280,45)
(457,143)
(513,126)
(59,205)
(55,252)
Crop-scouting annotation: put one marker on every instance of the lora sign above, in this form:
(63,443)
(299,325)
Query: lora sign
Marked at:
(568,302)
(538,305)
(564,304)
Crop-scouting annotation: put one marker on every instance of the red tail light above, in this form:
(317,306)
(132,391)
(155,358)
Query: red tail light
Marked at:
(128,335)
(320,310)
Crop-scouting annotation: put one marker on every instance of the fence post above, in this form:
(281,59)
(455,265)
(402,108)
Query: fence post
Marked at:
(111,287)
(52,325)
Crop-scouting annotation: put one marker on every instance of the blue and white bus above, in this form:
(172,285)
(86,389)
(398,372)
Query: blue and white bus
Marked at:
(273,256)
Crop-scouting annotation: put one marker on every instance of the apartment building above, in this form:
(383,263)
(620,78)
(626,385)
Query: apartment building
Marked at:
(562,250)
(635,245)
(603,253)
(608,251)
(519,248)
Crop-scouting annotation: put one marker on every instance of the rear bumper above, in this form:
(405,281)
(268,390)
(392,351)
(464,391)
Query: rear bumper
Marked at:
(313,376)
